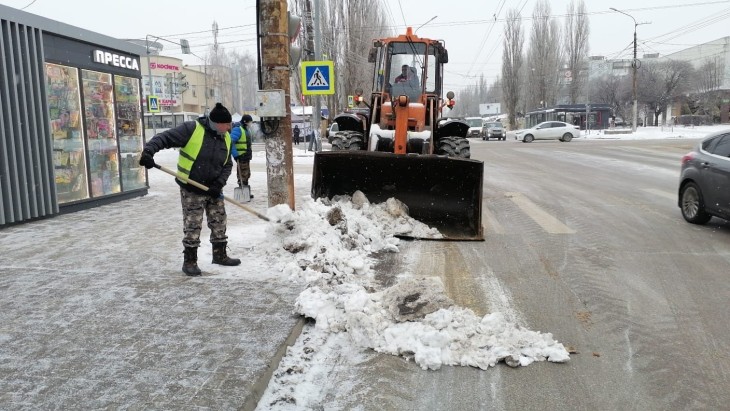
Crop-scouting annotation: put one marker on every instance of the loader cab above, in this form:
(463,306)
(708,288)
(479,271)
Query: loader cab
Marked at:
(410,66)
(407,69)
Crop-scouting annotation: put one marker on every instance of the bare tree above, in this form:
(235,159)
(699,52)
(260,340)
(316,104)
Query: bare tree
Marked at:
(247,79)
(543,57)
(706,97)
(661,83)
(470,97)
(710,75)
(615,91)
(347,28)
(577,29)
(512,64)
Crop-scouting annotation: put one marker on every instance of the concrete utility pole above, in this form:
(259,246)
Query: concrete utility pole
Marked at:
(634,66)
(275,72)
(317,109)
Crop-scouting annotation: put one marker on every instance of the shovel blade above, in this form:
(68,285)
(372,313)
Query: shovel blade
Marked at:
(242,194)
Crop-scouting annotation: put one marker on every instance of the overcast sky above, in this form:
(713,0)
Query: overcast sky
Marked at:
(472,29)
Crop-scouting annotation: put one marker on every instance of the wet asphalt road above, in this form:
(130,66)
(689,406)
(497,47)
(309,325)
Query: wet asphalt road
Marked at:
(583,240)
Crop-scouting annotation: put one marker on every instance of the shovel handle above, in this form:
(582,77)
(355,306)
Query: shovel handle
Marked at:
(202,187)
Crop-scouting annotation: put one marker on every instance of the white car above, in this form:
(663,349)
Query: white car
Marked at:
(475,126)
(548,130)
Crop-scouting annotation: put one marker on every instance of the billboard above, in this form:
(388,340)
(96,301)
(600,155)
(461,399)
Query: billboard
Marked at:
(490,109)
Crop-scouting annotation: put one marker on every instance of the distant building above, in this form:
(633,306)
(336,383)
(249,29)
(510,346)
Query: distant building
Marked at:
(717,51)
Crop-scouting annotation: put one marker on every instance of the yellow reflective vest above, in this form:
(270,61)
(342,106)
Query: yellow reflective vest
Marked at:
(189,153)
(242,143)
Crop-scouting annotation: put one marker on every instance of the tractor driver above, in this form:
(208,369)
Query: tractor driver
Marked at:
(403,76)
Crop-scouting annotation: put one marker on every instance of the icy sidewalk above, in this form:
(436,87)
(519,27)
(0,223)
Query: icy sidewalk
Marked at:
(96,312)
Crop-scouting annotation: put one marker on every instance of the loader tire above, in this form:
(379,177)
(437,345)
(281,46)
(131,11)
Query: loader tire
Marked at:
(454,147)
(348,141)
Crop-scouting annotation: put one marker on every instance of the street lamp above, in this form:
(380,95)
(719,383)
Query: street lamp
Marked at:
(432,19)
(634,65)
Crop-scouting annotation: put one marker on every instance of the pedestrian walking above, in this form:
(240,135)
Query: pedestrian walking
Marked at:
(297,133)
(205,157)
(313,141)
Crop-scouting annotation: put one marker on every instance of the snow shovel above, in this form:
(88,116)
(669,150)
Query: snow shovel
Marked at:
(202,187)
(242,193)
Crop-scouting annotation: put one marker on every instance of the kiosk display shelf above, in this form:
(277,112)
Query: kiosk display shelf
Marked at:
(129,130)
(69,160)
(103,150)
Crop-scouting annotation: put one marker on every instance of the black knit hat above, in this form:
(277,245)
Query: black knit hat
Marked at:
(220,114)
(246,119)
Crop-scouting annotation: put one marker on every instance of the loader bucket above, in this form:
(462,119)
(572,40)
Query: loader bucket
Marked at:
(442,192)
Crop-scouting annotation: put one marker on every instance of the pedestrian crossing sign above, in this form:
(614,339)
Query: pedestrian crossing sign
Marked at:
(318,77)
(153,104)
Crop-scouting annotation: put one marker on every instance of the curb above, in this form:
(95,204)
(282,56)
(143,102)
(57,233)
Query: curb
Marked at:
(259,387)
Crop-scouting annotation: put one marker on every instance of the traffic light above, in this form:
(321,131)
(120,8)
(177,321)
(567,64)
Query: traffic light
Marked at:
(182,83)
(294,25)
(184,46)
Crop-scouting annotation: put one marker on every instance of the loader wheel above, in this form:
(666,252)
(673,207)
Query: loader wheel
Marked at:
(348,141)
(454,147)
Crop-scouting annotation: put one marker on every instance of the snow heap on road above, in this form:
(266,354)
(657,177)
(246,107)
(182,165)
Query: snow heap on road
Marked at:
(335,244)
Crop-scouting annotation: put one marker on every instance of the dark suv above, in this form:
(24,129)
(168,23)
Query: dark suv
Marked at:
(704,183)
(493,129)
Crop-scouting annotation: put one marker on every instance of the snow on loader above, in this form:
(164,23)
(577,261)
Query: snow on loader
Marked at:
(398,146)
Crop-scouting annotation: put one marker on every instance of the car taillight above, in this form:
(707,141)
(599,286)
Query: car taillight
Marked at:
(687,157)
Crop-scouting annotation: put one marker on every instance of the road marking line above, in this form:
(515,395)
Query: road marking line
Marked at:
(491,221)
(549,223)
(660,193)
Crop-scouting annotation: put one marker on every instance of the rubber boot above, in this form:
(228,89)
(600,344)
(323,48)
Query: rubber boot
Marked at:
(190,266)
(221,257)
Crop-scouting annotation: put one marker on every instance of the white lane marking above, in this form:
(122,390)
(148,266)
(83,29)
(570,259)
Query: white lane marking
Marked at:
(491,221)
(660,193)
(548,223)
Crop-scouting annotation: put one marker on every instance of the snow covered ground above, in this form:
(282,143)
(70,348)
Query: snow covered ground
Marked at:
(328,250)
(331,246)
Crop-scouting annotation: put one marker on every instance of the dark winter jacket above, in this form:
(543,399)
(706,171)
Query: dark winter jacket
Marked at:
(213,164)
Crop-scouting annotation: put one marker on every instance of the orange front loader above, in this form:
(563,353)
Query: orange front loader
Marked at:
(400,146)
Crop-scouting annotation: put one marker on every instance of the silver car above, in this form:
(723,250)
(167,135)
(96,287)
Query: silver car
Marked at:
(493,129)
(548,130)
(704,183)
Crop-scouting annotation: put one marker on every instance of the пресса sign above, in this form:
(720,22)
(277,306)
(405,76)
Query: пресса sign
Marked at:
(116,60)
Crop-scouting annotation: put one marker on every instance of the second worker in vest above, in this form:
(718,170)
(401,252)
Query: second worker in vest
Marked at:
(205,157)
(241,139)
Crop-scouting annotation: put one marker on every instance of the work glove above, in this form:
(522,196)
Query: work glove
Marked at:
(215,191)
(147,159)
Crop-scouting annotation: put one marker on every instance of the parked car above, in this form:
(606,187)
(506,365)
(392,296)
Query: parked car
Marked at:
(333,128)
(493,129)
(547,130)
(704,182)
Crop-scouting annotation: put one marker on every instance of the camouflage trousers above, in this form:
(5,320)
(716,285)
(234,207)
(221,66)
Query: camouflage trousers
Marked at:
(193,207)
(243,172)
